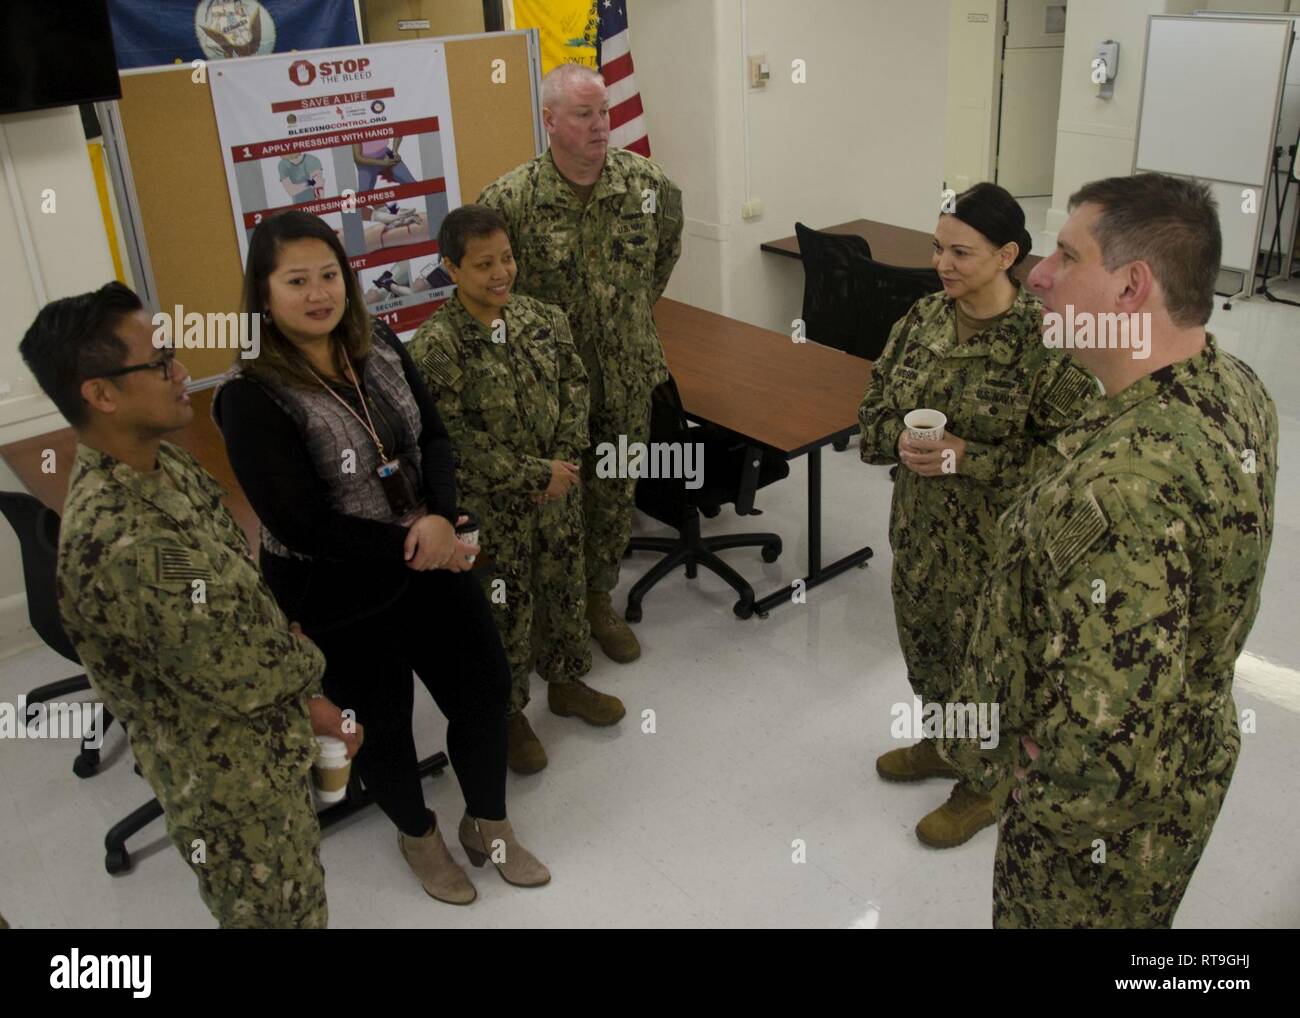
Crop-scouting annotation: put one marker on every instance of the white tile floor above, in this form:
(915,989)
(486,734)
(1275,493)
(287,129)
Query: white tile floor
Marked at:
(766,732)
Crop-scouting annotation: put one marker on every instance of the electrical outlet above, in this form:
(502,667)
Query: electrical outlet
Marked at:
(752,209)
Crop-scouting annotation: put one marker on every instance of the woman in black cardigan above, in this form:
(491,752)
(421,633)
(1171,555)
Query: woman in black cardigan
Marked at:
(339,448)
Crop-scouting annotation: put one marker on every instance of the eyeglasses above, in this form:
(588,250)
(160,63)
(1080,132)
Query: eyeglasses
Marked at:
(163,363)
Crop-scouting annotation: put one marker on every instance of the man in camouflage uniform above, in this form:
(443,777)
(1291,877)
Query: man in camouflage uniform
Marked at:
(1004,395)
(512,392)
(1126,583)
(597,231)
(179,635)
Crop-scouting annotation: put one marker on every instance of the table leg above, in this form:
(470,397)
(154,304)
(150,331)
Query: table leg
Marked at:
(817,573)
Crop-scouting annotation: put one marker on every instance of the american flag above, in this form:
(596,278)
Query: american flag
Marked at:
(614,57)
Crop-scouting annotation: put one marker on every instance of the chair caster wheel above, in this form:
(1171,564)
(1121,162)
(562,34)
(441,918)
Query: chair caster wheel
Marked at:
(708,512)
(743,609)
(840,444)
(85,766)
(632,613)
(771,552)
(117,861)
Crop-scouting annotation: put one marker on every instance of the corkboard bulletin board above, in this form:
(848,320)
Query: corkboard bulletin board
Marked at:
(180,193)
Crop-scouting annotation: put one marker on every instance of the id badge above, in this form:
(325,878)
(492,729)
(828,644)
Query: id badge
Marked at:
(397,488)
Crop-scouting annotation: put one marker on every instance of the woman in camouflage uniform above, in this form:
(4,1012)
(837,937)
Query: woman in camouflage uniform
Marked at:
(974,352)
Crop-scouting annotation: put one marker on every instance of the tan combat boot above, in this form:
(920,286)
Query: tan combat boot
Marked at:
(611,632)
(495,840)
(440,874)
(577,699)
(958,820)
(914,763)
(525,753)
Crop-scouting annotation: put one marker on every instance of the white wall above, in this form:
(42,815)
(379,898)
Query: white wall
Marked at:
(49,152)
(1096,138)
(862,138)
(674,51)
(974,85)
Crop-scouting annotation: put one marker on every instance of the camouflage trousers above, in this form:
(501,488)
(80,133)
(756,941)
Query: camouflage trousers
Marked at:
(934,627)
(263,872)
(537,553)
(608,502)
(1040,884)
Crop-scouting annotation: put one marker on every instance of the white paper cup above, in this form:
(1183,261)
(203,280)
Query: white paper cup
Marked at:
(467,533)
(925,425)
(331,770)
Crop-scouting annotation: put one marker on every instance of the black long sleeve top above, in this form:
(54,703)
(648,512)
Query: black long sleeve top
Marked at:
(358,565)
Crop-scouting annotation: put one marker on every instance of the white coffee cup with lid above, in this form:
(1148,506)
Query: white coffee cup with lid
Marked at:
(331,770)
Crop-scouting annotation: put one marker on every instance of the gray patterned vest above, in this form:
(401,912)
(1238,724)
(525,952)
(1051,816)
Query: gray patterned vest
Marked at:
(329,432)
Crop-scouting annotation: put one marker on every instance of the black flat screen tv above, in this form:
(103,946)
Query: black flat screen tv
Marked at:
(55,53)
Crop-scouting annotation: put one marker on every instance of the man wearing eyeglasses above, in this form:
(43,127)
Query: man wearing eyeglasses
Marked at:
(219,694)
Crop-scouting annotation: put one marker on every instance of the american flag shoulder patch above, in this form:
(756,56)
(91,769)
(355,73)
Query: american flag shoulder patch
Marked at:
(183,565)
(439,366)
(1071,386)
(1075,534)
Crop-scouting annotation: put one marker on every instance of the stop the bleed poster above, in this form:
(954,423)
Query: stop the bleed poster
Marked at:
(360,136)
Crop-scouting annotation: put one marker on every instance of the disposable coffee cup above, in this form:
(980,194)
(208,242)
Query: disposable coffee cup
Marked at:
(925,425)
(467,532)
(331,770)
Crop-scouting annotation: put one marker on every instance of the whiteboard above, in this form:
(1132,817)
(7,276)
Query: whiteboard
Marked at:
(1210,95)
(1287,132)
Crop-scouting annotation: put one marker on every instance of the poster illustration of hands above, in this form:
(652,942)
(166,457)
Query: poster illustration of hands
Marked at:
(360,136)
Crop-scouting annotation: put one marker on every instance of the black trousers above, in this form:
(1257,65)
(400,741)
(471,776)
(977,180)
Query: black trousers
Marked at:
(441,629)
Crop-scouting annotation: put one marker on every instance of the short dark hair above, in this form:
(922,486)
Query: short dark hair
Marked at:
(996,216)
(1170,223)
(74,339)
(463,223)
(279,360)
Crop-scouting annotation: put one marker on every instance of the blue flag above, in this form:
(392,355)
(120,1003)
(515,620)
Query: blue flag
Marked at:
(147,33)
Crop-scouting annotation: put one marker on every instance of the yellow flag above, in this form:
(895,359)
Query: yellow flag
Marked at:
(566,29)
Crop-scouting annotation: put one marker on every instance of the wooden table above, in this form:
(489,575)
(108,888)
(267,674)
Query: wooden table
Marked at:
(892,245)
(792,397)
(201,438)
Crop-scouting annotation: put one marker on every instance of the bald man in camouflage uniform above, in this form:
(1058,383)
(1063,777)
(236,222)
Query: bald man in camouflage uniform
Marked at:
(1126,584)
(513,394)
(178,633)
(1005,395)
(597,231)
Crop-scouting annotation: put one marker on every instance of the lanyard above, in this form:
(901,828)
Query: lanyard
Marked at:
(368,424)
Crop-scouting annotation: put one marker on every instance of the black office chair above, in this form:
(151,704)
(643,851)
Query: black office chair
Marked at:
(733,469)
(38,536)
(834,304)
(851,302)
(890,292)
